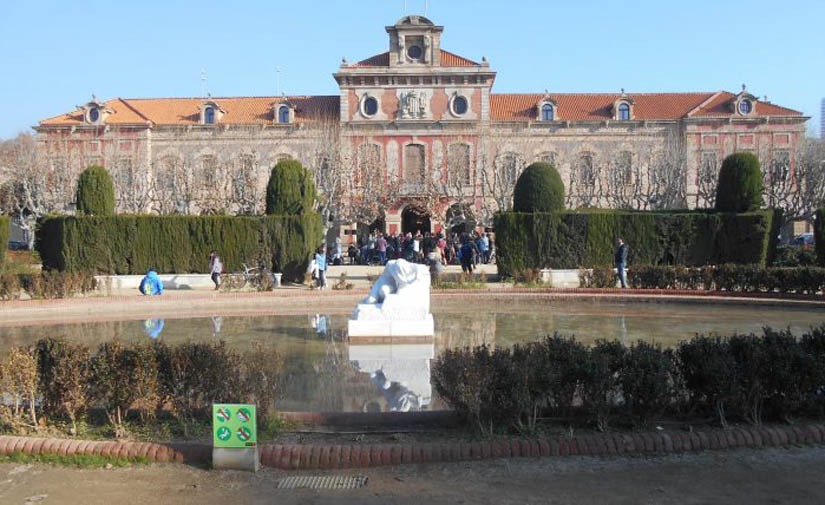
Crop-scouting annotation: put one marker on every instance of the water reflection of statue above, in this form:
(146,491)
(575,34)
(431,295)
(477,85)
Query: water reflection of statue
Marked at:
(216,325)
(153,327)
(400,372)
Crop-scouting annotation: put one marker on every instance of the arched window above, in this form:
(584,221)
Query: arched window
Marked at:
(209,115)
(369,163)
(458,164)
(624,168)
(414,163)
(283,114)
(509,166)
(548,157)
(586,169)
(547,112)
(624,112)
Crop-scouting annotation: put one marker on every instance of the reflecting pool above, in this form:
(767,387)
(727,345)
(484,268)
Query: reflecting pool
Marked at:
(324,372)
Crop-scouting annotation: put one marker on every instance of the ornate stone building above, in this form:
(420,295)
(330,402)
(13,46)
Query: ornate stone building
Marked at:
(428,120)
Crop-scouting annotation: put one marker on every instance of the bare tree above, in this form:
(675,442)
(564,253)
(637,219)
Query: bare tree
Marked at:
(499,167)
(369,188)
(32,186)
(331,166)
(795,181)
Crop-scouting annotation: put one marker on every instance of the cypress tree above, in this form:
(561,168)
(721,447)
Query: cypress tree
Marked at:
(95,192)
(291,189)
(539,189)
(740,184)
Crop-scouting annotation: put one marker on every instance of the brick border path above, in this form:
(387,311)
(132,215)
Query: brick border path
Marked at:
(312,457)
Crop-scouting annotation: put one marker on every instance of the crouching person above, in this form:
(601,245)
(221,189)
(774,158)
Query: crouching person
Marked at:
(151,284)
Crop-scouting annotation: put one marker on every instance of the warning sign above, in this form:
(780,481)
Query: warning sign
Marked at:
(234,426)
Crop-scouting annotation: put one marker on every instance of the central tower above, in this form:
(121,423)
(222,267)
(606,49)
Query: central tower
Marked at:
(415,40)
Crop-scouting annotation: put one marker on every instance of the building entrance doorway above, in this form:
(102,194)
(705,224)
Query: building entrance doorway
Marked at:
(414,220)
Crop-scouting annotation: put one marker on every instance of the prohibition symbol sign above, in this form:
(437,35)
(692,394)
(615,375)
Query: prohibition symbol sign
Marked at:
(223,433)
(224,414)
(243,415)
(243,434)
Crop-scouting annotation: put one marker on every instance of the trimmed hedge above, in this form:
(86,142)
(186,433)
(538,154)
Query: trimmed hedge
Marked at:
(775,376)
(819,236)
(740,184)
(290,190)
(125,245)
(5,232)
(539,189)
(572,239)
(95,192)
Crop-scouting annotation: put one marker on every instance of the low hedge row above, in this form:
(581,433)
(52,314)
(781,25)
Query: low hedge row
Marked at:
(46,285)
(819,236)
(57,381)
(730,277)
(177,244)
(743,377)
(5,232)
(570,239)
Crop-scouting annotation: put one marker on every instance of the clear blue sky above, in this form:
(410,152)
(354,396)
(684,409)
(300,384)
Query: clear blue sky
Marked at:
(55,54)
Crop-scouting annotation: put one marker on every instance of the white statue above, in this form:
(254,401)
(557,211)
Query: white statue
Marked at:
(398,303)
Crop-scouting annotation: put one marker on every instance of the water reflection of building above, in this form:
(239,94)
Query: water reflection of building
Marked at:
(464,330)
(400,372)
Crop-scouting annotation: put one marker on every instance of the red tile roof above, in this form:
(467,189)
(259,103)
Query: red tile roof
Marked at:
(448,59)
(719,106)
(183,111)
(599,106)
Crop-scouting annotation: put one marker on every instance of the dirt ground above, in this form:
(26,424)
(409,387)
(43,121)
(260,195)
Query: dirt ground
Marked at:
(752,477)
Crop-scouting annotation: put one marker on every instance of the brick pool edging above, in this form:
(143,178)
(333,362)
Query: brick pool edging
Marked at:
(335,456)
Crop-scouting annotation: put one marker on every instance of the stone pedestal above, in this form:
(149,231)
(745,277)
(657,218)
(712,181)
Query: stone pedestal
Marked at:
(398,304)
(246,459)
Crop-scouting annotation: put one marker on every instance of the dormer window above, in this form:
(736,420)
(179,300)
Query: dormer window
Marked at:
(209,115)
(415,52)
(624,112)
(744,104)
(94,114)
(547,108)
(547,112)
(283,114)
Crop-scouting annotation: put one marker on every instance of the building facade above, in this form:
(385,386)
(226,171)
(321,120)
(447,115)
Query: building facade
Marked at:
(417,135)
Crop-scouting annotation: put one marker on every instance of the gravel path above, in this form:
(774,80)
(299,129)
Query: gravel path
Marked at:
(792,476)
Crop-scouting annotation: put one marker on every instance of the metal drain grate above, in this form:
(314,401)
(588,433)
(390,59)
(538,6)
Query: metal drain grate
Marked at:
(331,482)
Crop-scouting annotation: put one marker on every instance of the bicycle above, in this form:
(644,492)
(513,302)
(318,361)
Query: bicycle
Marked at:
(257,277)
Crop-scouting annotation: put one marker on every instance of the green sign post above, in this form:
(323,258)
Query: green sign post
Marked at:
(234,426)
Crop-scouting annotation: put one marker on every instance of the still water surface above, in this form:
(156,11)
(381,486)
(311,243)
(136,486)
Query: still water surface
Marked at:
(324,372)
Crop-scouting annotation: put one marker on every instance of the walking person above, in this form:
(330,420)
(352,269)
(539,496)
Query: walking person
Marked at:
(215,269)
(620,258)
(382,248)
(321,261)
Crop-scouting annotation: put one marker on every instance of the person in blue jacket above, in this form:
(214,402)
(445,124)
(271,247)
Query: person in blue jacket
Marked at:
(151,284)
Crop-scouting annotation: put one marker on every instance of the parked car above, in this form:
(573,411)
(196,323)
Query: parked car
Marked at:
(804,240)
(18,246)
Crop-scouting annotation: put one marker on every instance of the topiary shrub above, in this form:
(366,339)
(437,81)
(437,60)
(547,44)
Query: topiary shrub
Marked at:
(539,189)
(740,184)
(291,189)
(95,192)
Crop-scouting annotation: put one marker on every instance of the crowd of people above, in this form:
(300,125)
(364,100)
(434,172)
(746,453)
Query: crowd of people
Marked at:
(376,248)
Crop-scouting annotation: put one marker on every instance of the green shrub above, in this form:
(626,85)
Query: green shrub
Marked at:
(740,184)
(708,369)
(5,232)
(18,389)
(585,238)
(9,287)
(819,236)
(792,256)
(602,387)
(126,245)
(728,277)
(291,189)
(600,276)
(51,285)
(95,192)
(561,364)
(539,189)
(748,354)
(648,378)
